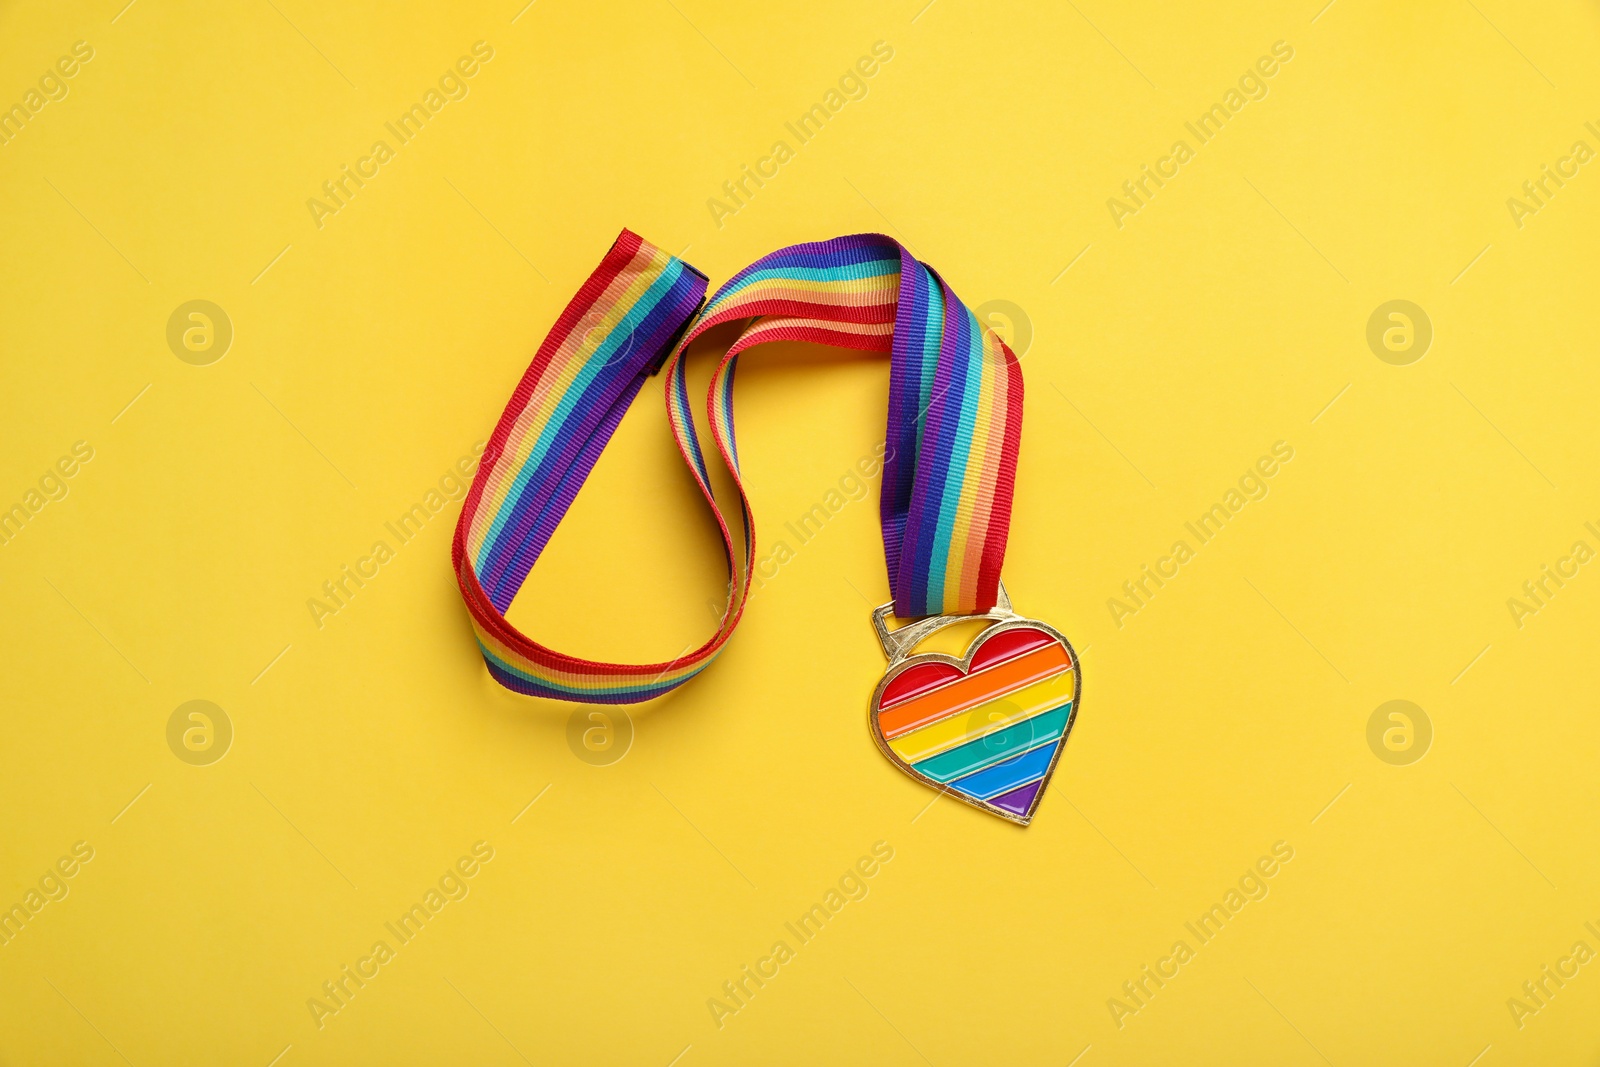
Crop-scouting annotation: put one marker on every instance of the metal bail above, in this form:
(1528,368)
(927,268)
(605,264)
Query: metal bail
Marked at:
(897,644)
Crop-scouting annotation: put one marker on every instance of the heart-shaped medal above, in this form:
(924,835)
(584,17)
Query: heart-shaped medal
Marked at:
(987,728)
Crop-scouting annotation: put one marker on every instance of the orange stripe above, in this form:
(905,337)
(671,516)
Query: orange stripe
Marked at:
(983,506)
(822,293)
(973,689)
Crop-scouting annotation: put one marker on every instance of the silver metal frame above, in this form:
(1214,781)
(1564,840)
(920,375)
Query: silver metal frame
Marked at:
(897,645)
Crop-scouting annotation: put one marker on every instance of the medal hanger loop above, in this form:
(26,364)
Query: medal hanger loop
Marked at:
(897,643)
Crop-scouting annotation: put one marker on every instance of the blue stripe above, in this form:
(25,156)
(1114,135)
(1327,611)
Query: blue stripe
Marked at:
(1002,745)
(872,268)
(514,678)
(652,301)
(960,453)
(727,411)
(865,248)
(936,457)
(680,388)
(1009,775)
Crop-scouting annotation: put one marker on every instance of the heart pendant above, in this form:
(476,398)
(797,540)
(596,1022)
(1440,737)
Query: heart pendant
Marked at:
(987,728)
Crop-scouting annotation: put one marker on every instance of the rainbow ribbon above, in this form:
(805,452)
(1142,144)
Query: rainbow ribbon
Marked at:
(955,422)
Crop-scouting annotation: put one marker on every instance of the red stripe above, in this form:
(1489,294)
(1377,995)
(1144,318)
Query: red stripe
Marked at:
(1009,643)
(862,342)
(994,545)
(968,691)
(870,313)
(1005,646)
(622,253)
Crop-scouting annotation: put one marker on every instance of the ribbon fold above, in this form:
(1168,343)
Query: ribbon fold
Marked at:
(954,426)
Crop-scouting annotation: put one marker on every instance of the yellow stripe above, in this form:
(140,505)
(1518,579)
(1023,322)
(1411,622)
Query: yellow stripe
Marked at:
(617,300)
(955,568)
(984,719)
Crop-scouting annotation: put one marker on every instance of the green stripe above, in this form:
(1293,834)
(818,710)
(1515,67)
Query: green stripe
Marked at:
(997,747)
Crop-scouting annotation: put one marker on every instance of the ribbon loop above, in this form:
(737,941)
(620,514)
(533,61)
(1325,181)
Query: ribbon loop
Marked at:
(954,425)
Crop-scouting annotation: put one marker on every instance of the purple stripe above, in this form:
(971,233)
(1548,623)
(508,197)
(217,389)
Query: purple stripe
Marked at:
(549,493)
(905,387)
(920,444)
(733,448)
(508,558)
(940,428)
(560,499)
(838,252)
(1018,801)
(727,409)
(680,388)
(525,506)
(518,684)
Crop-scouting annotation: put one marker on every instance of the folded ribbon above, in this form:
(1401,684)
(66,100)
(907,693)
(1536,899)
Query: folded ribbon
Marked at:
(955,421)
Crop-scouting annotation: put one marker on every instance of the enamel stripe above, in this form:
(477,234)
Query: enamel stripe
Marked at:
(997,747)
(986,718)
(994,781)
(970,690)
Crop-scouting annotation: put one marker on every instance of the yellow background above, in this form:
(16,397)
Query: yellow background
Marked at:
(1228,714)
